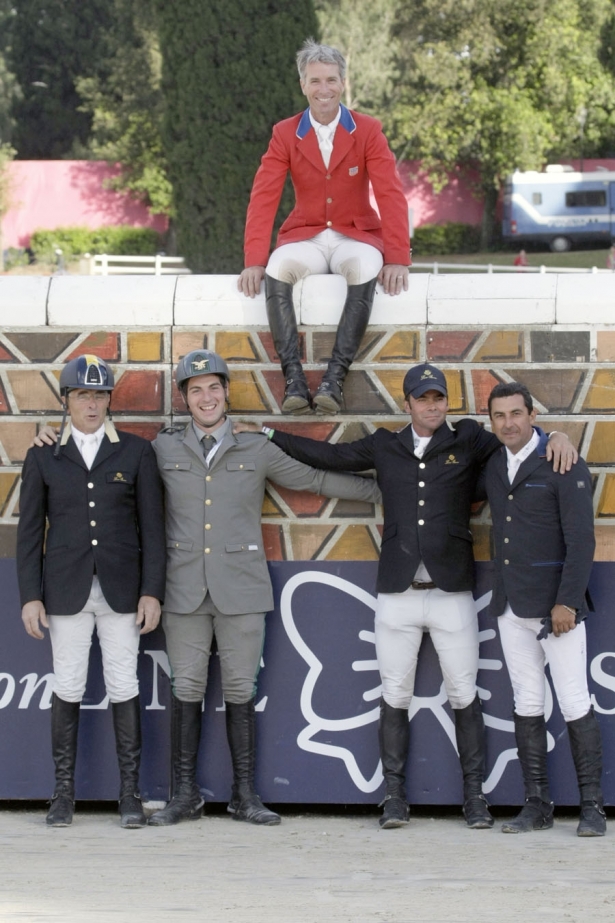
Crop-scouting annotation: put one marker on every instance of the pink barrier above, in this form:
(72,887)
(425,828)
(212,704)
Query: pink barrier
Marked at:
(67,193)
(62,193)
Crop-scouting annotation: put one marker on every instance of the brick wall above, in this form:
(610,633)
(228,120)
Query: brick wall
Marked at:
(555,333)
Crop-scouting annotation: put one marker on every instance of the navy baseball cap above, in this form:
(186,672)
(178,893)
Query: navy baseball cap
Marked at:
(422,378)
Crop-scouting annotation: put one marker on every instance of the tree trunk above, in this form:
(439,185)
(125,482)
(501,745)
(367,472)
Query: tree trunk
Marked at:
(490,202)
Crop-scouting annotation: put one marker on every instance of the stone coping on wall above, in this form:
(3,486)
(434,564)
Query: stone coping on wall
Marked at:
(470,299)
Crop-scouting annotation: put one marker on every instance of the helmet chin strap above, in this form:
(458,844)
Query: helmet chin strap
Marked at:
(56,453)
(110,430)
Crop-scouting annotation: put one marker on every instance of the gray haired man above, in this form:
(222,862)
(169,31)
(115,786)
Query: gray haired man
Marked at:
(332,155)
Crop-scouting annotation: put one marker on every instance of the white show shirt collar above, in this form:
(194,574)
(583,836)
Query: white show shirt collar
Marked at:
(324,134)
(514,462)
(88,443)
(420,443)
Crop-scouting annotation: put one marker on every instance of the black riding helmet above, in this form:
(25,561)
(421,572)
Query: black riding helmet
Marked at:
(85,372)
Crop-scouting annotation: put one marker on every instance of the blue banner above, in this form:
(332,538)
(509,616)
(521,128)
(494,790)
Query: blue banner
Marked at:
(317,704)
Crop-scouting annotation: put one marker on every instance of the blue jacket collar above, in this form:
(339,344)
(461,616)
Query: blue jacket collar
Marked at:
(541,448)
(346,121)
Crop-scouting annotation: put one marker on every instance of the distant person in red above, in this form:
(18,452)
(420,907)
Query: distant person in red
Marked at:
(520,260)
(610,259)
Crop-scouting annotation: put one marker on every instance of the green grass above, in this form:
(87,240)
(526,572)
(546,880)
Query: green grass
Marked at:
(574,259)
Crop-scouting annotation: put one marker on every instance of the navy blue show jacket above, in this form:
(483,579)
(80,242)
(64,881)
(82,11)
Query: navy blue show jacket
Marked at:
(426,501)
(543,528)
(74,523)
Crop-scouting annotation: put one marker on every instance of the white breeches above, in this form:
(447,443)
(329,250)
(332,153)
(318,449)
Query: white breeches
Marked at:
(450,619)
(329,251)
(526,658)
(71,639)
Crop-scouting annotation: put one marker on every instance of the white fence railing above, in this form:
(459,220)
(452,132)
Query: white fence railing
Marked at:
(435,268)
(103,264)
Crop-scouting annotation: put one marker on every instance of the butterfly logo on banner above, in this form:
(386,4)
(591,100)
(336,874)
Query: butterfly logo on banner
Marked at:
(316,723)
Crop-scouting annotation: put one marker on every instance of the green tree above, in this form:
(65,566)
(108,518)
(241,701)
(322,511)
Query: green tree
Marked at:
(51,43)
(6,155)
(9,89)
(363,31)
(126,105)
(9,93)
(228,74)
(499,85)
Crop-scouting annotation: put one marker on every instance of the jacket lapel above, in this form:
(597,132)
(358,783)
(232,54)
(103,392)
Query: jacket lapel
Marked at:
(308,147)
(525,468)
(442,436)
(500,465)
(105,449)
(406,438)
(71,452)
(343,143)
(227,442)
(191,442)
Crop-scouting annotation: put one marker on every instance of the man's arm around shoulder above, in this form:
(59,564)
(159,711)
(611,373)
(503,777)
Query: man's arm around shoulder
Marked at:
(289,472)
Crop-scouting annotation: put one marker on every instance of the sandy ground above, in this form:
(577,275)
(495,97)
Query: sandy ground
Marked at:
(314,867)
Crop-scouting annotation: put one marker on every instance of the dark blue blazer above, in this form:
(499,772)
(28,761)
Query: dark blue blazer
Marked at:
(543,529)
(74,523)
(426,501)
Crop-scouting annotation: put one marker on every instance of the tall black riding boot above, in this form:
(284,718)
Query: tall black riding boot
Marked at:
(127,727)
(283,326)
(186,803)
(352,326)
(241,733)
(586,746)
(64,730)
(470,734)
(394,736)
(537,812)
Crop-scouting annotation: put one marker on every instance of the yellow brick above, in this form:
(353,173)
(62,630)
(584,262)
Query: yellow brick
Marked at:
(601,394)
(602,447)
(606,505)
(144,347)
(355,544)
(7,485)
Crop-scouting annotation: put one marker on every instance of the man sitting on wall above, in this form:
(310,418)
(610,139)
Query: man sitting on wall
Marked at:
(333,155)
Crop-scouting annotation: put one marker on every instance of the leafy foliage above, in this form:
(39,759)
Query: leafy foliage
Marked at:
(9,89)
(452,237)
(50,44)
(119,240)
(6,155)
(228,74)
(14,257)
(500,84)
(363,32)
(495,85)
(126,107)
